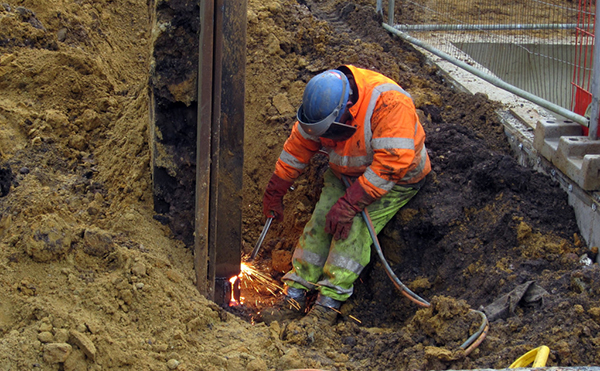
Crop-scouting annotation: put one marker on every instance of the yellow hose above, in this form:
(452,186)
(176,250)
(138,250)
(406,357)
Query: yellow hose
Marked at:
(538,356)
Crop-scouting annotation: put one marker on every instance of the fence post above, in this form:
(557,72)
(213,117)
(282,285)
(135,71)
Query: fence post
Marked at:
(391,6)
(593,128)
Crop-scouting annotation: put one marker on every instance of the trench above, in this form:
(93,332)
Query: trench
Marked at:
(482,226)
(472,234)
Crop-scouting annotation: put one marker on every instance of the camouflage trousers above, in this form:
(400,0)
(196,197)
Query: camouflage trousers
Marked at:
(329,266)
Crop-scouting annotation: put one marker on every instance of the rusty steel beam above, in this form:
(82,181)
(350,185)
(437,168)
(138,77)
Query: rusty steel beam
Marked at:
(231,143)
(204,280)
(220,154)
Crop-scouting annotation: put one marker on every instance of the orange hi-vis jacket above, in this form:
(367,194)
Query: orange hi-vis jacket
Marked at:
(388,147)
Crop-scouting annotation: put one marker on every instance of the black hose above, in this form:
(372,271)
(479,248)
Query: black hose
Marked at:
(402,287)
(474,339)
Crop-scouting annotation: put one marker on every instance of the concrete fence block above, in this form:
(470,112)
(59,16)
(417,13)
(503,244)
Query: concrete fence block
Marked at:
(579,158)
(548,133)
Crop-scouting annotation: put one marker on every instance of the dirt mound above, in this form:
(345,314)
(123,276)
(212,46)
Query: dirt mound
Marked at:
(90,280)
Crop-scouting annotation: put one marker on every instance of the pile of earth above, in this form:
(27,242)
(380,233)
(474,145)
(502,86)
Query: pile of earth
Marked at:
(90,280)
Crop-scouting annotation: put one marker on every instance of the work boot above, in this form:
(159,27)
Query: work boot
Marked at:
(291,307)
(324,311)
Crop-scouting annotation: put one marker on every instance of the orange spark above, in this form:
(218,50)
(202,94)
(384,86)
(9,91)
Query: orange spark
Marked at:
(260,280)
(233,302)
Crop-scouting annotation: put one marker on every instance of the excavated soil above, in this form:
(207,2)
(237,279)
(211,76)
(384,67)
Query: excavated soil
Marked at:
(89,280)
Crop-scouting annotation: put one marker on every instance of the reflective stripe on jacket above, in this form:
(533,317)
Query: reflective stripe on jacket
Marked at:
(388,147)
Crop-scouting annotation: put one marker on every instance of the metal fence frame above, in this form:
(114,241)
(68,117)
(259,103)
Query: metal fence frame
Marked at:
(591,123)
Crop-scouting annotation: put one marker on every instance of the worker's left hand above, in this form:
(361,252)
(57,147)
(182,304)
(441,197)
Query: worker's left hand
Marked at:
(339,219)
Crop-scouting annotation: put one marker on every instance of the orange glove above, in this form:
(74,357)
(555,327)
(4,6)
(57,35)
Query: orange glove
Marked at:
(339,219)
(273,198)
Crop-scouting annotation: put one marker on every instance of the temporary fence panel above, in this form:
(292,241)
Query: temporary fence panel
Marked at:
(542,47)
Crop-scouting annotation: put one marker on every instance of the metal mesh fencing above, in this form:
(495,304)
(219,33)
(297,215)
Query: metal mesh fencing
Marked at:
(542,47)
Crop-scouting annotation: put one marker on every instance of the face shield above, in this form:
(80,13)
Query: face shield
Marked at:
(339,132)
(327,128)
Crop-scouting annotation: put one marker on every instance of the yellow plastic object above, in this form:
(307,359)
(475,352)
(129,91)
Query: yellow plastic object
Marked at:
(538,356)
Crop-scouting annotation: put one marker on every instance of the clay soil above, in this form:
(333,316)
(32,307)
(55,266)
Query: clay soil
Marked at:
(89,280)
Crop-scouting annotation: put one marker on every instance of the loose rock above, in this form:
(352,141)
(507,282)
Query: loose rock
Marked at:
(45,337)
(84,343)
(57,352)
(138,269)
(172,364)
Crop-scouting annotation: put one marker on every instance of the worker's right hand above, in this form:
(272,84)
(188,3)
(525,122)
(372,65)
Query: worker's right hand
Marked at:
(273,198)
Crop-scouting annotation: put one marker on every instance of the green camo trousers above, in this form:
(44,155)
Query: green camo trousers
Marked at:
(330,266)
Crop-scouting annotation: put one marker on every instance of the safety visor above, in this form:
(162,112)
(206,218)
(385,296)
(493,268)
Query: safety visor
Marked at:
(326,128)
(339,132)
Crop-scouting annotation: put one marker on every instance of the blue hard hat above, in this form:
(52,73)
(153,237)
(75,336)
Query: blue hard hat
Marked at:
(323,102)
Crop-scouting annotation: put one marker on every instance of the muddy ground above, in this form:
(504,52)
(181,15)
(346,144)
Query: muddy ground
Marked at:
(89,280)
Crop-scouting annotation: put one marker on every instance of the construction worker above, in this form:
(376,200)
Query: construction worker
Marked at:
(369,128)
